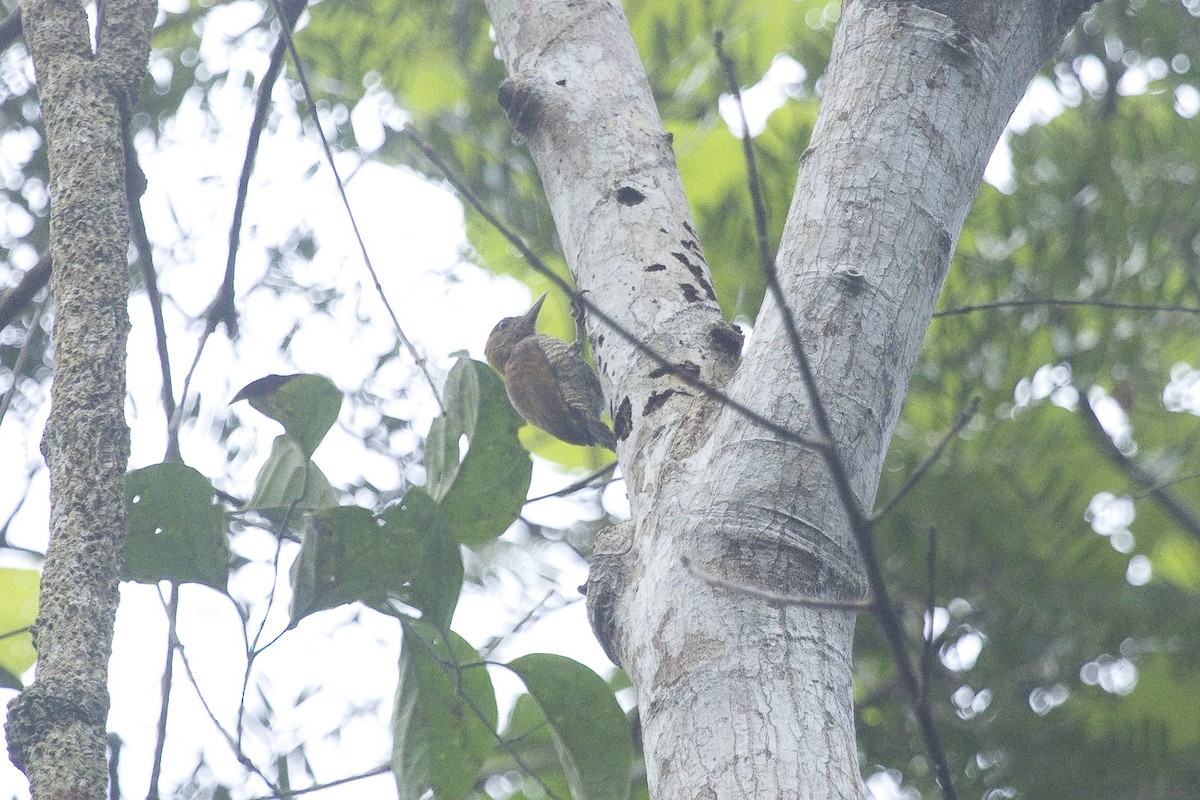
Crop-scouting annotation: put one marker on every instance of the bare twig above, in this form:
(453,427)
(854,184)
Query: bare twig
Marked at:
(1050,301)
(1181,478)
(490,647)
(135,184)
(286,33)
(577,485)
(16,632)
(915,476)
(776,598)
(10,29)
(16,509)
(1176,508)
(754,183)
(242,758)
(252,648)
(771,273)
(222,310)
(31,335)
(16,298)
(380,770)
(160,740)
(930,607)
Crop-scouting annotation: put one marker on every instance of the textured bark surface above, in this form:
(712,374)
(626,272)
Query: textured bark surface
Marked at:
(739,698)
(56,727)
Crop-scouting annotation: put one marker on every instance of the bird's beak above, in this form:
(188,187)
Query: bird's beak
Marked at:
(530,317)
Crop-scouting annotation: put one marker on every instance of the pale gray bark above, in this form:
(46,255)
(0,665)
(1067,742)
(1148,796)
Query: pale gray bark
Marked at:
(740,698)
(56,727)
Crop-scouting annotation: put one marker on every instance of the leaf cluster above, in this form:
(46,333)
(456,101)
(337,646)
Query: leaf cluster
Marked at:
(404,561)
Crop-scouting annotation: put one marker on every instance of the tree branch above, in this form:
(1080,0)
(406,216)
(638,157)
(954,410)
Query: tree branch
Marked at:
(16,298)
(1051,301)
(915,476)
(1183,515)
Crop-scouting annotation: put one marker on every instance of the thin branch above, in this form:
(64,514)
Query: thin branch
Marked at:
(10,29)
(252,651)
(915,476)
(685,376)
(754,183)
(532,614)
(1050,301)
(22,356)
(776,598)
(16,509)
(177,418)
(160,740)
(577,485)
(380,770)
(930,607)
(286,33)
(1176,508)
(135,185)
(222,310)
(1183,478)
(19,296)
(17,632)
(893,629)
(242,758)
(771,274)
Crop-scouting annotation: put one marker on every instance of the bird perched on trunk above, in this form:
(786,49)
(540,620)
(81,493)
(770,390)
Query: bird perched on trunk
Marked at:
(548,382)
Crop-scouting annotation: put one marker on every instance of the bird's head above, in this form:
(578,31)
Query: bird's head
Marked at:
(508,332)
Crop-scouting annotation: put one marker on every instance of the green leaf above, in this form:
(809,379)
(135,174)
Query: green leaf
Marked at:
(589,729)
(289,481)
(347,555)
(404,554)
(176,529)
(481,494)
(445,716)
(306,405)
(18,610)
(437,581)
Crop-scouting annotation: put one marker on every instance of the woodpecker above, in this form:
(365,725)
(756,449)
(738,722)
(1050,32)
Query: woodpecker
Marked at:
(548,382)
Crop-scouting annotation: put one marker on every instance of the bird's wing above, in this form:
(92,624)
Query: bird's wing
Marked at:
(534,390)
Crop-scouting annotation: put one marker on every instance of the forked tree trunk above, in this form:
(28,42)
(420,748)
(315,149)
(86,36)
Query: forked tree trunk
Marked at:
(740,698)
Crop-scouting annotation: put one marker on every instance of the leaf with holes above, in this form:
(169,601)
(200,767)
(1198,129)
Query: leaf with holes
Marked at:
(176,529)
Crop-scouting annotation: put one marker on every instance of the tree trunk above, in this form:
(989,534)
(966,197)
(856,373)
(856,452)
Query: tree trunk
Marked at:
(56,727)
(740,698)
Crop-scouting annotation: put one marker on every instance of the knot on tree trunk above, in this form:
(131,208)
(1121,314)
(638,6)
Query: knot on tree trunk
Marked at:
(48,705)
(607,580)
(525,97)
